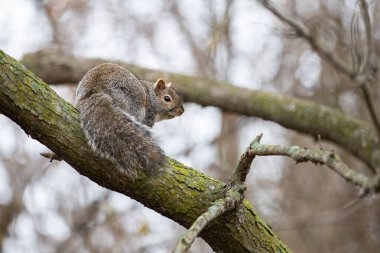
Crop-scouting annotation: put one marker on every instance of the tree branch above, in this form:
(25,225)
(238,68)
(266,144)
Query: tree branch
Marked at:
(319,156)
(243,166)
(180,193)
(352,134)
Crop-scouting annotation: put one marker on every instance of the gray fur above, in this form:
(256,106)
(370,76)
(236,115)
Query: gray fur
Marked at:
(116,110)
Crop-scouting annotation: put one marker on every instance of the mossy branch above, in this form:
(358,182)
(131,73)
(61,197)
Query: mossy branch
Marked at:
(354,135)
(180,193)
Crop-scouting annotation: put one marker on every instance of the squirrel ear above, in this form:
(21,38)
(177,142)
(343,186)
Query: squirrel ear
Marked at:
(159,85)
(168,85)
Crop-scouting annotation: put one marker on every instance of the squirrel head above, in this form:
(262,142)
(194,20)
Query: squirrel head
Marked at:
(169,99)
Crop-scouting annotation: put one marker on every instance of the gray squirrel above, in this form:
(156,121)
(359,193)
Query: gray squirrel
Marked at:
(116,112)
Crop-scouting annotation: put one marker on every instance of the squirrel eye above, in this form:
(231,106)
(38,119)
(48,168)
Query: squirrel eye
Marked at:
(167,98)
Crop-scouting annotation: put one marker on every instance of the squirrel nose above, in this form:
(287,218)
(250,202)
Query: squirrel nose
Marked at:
(180,110)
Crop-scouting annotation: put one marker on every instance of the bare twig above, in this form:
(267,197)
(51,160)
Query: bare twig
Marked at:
(320,156)
(233,197)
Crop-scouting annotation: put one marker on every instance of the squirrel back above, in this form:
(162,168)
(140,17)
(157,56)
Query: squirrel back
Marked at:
(116,112)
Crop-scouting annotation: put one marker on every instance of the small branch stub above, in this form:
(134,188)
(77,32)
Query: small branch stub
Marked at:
(51,156)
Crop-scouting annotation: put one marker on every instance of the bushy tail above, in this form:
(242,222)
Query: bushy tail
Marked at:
(119,137)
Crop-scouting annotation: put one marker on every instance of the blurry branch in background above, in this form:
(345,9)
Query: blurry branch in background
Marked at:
(197,53)
(50,10)
(213,59)
(368,70)
(16,205)
(311,118)
(303,31)
(368,62)
(322,157)
(234,195)
(54,11)
(83,222)
(221,54)
(23,173)
(362,78)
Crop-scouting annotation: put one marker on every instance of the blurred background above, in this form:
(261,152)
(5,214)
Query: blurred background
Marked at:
(49,207)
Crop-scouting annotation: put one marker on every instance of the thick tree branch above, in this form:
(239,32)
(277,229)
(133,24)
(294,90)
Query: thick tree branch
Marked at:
(180,193)
(352,134)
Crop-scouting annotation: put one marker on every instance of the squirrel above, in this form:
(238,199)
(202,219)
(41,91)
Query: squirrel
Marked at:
(116,112)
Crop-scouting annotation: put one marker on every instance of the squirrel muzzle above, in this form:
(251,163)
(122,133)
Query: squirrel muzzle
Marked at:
(177,111)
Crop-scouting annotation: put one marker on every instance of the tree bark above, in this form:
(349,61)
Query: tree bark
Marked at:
(180,193)
(355,136)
